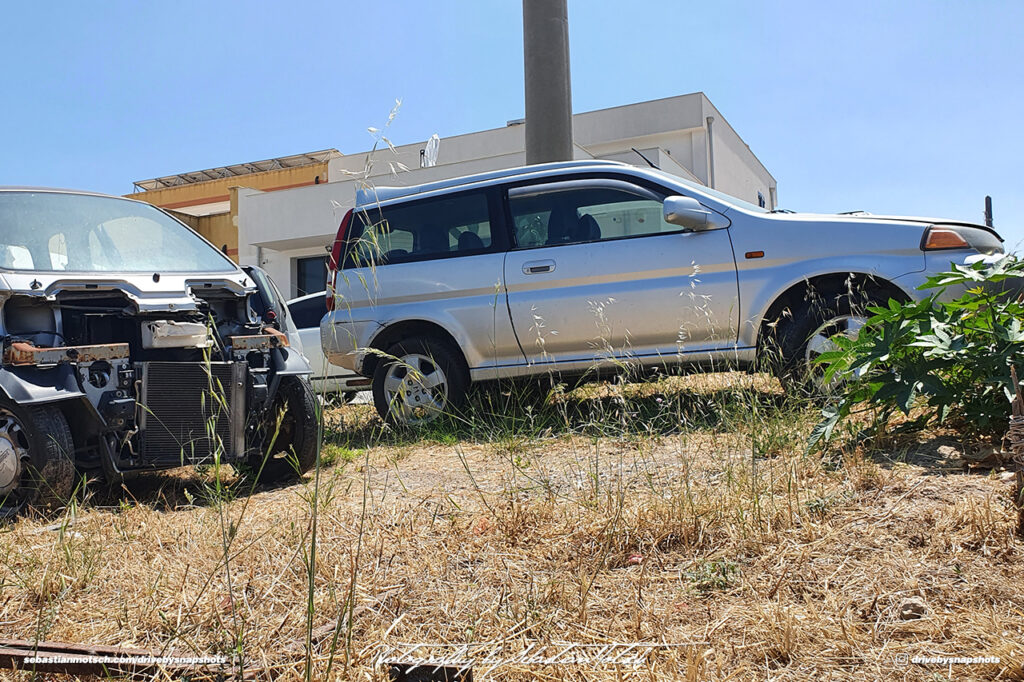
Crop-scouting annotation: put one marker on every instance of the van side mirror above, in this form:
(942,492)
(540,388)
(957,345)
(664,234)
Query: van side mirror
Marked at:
(689,213)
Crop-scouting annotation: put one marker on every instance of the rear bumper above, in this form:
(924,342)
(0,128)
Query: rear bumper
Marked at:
(349,383)
(1014,287)
(344,342)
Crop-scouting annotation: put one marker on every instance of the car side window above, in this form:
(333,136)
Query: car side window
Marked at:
(434,228)
(584,211)
(309,312)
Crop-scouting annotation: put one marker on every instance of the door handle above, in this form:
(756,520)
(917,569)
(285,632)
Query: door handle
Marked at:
(537,267)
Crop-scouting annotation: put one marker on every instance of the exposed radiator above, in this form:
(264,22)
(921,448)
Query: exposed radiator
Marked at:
(179,413)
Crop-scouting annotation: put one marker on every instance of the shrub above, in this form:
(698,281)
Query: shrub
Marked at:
(952,358)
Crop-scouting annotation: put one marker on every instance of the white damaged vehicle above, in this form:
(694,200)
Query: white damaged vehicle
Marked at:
(129,344)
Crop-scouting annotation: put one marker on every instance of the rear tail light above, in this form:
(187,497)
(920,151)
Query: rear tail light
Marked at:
(334,264)
(939,238)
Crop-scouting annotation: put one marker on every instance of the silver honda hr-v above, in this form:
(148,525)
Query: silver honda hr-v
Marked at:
(574,267)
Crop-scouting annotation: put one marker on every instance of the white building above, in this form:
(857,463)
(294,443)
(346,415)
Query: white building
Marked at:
(287,231)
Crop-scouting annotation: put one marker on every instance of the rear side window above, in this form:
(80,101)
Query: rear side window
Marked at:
(308,313)
(458,225)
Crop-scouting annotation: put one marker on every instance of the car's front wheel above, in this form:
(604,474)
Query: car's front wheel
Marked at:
(417,381)
(36,458)
(291,434)
(806,332)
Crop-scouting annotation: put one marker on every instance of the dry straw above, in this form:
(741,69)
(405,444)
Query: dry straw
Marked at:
(508,532)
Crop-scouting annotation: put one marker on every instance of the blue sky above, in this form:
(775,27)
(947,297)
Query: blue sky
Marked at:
(890,107)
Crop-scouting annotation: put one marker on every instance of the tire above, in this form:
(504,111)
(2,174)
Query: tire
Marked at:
(37,441)
(802,334)
(418,381)
(291,449)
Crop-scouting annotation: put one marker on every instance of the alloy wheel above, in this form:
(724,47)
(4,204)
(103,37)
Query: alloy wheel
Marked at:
(821,342)
(14,462)
(416,389)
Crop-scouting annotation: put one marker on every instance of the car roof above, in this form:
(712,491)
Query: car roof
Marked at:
(376,195)
(300,299)
(59,190)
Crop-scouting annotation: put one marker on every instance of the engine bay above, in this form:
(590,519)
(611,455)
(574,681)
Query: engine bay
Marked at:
(162,388)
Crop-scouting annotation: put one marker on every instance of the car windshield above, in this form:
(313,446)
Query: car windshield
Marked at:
(64,232)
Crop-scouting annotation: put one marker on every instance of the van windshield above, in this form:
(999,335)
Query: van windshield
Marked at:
(65,232)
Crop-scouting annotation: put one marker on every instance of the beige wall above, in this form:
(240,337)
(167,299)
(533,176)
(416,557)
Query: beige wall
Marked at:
(213,191)
(218,229)
(677,125)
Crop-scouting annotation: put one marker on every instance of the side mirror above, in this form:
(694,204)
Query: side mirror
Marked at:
(689,213)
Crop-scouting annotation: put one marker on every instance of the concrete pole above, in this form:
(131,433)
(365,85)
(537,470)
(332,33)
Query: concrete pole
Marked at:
(548,90)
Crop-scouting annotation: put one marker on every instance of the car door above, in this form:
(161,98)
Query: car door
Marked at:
(596,273)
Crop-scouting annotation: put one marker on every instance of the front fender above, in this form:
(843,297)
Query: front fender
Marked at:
(285,361)
(289,361)
(761,287)
(33,385)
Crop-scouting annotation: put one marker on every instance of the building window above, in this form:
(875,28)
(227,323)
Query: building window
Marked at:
(310,275)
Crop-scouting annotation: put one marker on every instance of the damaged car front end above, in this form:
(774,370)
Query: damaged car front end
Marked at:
(132,344)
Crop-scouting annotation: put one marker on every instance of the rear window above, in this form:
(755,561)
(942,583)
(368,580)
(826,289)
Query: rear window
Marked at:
(449,226)
(308,312)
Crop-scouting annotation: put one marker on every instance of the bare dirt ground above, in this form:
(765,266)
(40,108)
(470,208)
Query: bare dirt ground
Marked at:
(782,566)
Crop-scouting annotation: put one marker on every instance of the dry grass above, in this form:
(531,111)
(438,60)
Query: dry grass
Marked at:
(777,566)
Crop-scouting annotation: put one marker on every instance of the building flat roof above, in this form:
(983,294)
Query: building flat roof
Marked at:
(248,168)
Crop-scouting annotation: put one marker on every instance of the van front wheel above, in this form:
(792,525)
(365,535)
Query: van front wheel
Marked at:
(36,458)
(291,434)
(417,381)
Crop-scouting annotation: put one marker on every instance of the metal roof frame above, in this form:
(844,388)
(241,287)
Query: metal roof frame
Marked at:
(236,170)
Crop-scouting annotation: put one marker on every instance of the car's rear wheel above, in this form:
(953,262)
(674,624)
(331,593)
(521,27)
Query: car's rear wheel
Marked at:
(418,381)
(37,465)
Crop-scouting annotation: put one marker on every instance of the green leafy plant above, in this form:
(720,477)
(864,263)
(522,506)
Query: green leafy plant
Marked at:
(714,574)
(948,354)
